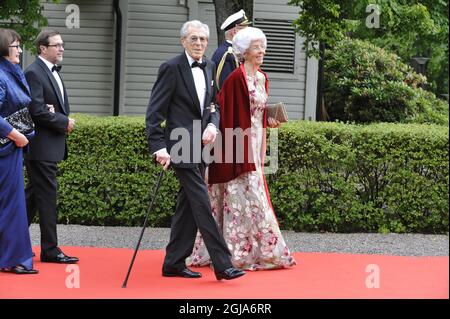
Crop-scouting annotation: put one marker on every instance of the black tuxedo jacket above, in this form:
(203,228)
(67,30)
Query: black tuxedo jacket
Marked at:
(49,143)
(174,100)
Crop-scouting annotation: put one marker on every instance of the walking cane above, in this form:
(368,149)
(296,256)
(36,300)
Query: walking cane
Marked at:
(155,192)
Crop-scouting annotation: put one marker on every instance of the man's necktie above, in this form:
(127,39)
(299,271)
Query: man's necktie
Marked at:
(200,65)
(56,68)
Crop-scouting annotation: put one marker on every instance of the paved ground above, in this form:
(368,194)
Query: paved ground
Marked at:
(157,238)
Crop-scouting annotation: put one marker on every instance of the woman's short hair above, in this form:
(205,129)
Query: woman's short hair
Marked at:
(43,38)
(7,36)
(193,24)
(243,39)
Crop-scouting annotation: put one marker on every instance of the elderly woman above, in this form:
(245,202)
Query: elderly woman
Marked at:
(238,190)
(15,244)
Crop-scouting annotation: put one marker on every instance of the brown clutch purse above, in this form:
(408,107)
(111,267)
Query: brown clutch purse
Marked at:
(278,112)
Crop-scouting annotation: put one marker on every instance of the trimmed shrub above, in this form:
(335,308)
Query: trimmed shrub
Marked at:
(350,178)
(365,84)
(109,176)
(331,177)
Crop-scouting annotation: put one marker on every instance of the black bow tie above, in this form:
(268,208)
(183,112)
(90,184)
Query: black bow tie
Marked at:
(56,68)
(200,65)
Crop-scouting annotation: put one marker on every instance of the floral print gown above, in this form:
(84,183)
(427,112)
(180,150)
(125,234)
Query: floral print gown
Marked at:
(241,207)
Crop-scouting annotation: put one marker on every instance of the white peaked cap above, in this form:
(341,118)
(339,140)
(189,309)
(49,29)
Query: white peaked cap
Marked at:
(238,18)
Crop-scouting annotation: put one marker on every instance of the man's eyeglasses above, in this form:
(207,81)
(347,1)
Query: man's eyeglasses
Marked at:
(194,39)
(58,45)
(15,46)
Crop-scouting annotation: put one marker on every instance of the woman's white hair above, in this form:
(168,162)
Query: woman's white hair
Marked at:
(243,39)
(193,24)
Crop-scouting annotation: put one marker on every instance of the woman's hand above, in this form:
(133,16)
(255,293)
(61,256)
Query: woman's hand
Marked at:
(18,138)
(272,123)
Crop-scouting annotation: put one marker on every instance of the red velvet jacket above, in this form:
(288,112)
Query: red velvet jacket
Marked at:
(234,102)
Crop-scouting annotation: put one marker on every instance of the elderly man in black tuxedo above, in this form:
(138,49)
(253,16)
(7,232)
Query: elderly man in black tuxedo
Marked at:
(182,96)
(50,112)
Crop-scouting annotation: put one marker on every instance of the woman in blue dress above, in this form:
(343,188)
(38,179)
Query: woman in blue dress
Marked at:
(15,243)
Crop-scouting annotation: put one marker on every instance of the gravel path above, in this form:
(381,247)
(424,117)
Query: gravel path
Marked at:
(157,238)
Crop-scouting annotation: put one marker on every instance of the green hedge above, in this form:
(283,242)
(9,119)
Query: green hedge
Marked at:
(331,177)
(109,174)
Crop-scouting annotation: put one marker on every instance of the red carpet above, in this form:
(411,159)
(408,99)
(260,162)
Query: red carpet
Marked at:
(317,275)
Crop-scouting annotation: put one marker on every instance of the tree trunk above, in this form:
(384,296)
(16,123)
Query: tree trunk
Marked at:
(225,8)
(321,111)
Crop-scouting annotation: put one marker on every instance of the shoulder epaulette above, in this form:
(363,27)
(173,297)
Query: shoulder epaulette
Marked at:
(222,63)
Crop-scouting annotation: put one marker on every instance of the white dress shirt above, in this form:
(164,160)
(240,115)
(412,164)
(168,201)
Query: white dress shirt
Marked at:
(200,82)
(55,75)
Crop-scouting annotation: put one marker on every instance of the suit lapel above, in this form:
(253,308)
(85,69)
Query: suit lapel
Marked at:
(54,84)
(66,98)
(188,79)
(208,71)
(206,106)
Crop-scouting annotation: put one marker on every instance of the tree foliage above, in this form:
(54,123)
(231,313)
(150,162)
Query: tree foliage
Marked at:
(24,16)
(365,84)
(409,28)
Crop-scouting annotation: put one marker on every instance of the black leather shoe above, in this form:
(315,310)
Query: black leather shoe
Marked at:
(229,273)
(185,273)
(61,258)
(20,270)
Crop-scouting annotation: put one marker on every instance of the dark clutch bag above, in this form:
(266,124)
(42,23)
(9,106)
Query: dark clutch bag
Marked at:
(21,121)
(278,112)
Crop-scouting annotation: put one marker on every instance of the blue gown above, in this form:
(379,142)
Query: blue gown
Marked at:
(15,243)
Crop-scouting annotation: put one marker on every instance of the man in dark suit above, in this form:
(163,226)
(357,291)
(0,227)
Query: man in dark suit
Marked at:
(224,56)
(50,112)
(182,96)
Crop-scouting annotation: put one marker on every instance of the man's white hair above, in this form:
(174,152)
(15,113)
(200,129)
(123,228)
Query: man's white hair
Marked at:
(193,24)
(243,39)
